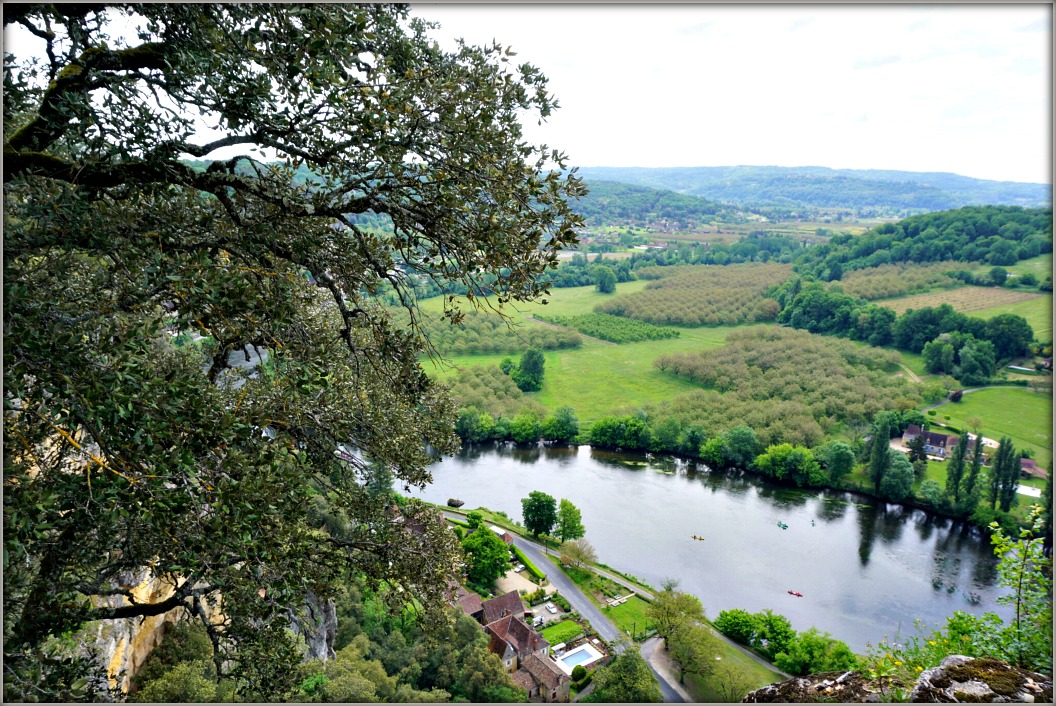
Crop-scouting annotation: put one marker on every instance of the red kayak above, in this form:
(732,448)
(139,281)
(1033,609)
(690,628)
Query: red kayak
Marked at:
(795,593)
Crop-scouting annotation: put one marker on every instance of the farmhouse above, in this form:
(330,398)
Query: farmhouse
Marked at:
(935,443)
(543,680)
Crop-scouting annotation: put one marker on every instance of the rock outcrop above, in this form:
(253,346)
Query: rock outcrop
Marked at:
(958,679)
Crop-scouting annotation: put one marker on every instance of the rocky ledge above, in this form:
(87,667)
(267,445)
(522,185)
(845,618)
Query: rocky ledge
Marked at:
(958,679)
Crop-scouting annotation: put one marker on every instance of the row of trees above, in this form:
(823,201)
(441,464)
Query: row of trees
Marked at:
(772,634)
(543,515)
(896,280)
(474,426)
(818,309)
(703,296)
(616,329)
(486,332)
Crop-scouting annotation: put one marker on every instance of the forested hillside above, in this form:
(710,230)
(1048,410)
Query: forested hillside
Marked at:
(995,235)
(613,203)
(885,191)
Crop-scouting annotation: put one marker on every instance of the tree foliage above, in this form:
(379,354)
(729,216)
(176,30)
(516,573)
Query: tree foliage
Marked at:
(198,463)
(672,608)
(812,652)
(577,553)
(487,556)
(627,679)
(569,521)
(540,512)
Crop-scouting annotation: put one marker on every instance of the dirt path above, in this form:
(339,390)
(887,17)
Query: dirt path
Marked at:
(550,325)
(912,375)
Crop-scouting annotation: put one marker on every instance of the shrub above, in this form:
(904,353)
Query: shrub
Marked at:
(578,672)
(955,396)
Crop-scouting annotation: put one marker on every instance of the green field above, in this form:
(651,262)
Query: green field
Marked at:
(1037,312)
(630,616)
(1015,412)
(752,675)
(599,378)
(1040,267)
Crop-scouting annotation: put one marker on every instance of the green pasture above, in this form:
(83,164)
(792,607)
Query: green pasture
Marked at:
(1015,412)
(1037,312)
(1040,267)
(915,362)
(599,378)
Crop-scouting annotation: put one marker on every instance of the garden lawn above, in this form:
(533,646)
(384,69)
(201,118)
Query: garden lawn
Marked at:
(1040,267)
(1015,412)
(630,616)
(564,631)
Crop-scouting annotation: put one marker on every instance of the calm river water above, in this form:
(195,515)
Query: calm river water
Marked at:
(864,567)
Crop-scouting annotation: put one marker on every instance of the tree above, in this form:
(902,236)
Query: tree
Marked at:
(526,428)
(198,461)
(529,374)
(569,521)
(812,652)
(897,483)
(692,648)
(917,452)
(604,279)
(839,457)
(955,469)
(740,446)
(737,624)
(562,426)
(879,458)
(540,512)
(627,679)
(773,633)
(487,556)
(792,463)
(998,275)
(1010,481)
(972,483)
(1004,465)
(732,681)
(577,553)
(672,608)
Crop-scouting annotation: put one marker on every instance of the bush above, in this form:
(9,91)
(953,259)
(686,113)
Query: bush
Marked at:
(931,413)
(955,396)
(578,672)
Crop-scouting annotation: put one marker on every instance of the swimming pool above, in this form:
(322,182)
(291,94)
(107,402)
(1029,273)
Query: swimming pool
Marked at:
(580,655)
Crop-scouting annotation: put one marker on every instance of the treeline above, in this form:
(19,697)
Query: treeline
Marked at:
(819,309)
(614,203)
(482,333)
(704,296)
(995,235)
(886,281)
(616,329)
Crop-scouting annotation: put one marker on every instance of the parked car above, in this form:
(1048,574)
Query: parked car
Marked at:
(551,607)
(537,621)
(519,568)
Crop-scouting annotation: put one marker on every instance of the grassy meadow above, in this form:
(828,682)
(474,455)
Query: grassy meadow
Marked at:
(599,378)
(1015,412)
(1040,267)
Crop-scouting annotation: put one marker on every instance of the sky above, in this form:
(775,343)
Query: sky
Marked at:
(952,88)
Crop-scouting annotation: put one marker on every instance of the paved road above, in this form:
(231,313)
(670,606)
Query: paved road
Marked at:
(580,603)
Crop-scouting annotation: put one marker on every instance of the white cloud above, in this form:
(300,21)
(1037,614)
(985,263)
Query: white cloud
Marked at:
(895,87)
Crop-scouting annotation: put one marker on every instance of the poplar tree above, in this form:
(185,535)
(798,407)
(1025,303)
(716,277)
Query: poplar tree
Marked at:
(879,458)
(955,469)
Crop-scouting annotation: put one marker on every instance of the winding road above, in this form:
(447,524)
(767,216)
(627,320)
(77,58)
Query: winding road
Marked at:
(606,629)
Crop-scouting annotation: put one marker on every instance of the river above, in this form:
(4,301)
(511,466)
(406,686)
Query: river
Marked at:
(865,568)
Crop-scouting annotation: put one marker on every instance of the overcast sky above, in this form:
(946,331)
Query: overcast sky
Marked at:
(963,89)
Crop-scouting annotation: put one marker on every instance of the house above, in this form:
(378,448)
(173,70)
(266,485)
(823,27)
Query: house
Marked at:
(501,606)
(935,443)
(1030,469)
(543,680)
(512,640)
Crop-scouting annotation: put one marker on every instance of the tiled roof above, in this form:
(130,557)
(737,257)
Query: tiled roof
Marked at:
(523,679)
(501,606)
(517,634)
(470,604)
(544,670)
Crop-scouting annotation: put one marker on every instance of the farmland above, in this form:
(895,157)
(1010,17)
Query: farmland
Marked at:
(963,299)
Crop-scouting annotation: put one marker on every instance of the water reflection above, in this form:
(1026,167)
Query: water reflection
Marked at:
(640,512)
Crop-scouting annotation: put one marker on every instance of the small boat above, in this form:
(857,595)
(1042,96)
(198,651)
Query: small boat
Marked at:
(795,593)
(696,537)
(782,525)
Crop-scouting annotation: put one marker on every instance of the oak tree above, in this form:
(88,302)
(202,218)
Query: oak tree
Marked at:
(196,361)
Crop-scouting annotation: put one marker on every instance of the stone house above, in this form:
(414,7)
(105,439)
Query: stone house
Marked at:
(512,640)
(935,443)
(543,680)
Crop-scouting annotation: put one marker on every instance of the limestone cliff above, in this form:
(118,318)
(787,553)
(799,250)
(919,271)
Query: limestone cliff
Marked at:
(958,679)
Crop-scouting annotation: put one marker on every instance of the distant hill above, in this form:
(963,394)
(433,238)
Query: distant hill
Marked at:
(614,203)
(883,191)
